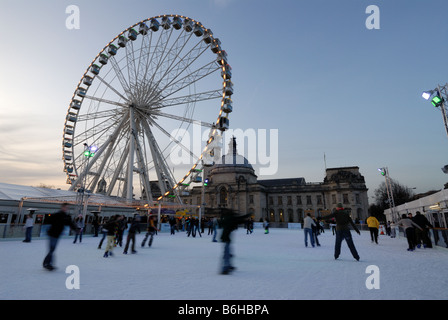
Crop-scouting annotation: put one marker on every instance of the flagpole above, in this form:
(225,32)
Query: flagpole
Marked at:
(325,162)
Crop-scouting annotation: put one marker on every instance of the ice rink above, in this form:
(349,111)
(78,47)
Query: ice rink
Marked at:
(269,267)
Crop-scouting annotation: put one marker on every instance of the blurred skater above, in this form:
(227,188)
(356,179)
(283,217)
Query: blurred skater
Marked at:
(229,222)
(151,230)
(135,226)
(111,227)
(57,223)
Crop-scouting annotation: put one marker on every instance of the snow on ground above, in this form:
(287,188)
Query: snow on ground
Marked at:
(269,267)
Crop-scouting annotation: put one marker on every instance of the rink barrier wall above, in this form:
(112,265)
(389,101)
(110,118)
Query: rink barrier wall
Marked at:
(438,236)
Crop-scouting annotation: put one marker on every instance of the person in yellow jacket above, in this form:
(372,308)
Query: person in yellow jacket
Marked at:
(373,225)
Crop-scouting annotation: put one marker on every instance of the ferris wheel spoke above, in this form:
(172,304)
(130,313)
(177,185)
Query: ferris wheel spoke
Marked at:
(121,77)
(96,130)
(167,63)
(182,63)
(153,61)
(99,115)
(188,80)
(112,88)
(183,119)
(157,59)
(176,141)
(115,103)
(132,71)
(141,68)
(145,51)
(209,95)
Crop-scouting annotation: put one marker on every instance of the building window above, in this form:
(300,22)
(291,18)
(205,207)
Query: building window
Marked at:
(271,215)
(281,218)
(290,215)
(333,199)
(319,199)
(308,200)
(289,200)
(358,200)
(300,215)
(299,200)
(251,199)
(223,196)
(280,201)
(271,201)
(345,198)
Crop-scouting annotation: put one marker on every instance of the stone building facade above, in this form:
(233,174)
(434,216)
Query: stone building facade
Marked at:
(233,184)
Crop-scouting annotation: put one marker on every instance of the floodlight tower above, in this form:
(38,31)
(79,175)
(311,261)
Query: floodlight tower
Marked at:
(438,97)
(390,195)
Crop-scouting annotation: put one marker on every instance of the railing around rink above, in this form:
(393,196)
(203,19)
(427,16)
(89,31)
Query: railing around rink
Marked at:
(438,236)
(14,231)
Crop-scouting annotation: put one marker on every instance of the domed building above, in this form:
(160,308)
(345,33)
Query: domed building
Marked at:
(232,183)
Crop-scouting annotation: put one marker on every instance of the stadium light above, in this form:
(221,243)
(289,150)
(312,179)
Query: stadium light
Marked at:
(426,95)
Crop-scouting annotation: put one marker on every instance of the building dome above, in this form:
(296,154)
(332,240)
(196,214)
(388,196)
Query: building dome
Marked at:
(232,158)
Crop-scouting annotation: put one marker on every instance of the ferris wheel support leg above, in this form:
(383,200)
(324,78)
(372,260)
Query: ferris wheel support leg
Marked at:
(144,179)
(129,180)
(154,153)
(97,155)
(118,170)
(93,184)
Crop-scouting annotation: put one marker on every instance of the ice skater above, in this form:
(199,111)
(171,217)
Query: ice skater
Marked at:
(79,221)
(343,220)
(57,223)
(151,230)
(29,223)
(215,229)
(135,226)
(409,225)
(111,227)
(308,224)
(422,236)
(266,226)
(373,225)
(229,222)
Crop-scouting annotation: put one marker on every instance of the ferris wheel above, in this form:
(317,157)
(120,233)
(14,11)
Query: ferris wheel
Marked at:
(153,81)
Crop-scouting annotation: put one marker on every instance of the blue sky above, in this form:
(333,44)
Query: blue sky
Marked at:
(309,68)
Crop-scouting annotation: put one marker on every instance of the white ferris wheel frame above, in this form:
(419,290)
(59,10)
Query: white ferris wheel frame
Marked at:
(140,94)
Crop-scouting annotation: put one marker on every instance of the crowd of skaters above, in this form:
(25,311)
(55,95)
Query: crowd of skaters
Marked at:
(113,228)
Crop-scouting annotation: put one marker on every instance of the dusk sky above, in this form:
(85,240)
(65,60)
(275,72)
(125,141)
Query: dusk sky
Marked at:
(310,69)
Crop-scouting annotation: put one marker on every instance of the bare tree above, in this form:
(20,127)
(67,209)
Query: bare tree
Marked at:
(401,194)
(46,186)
